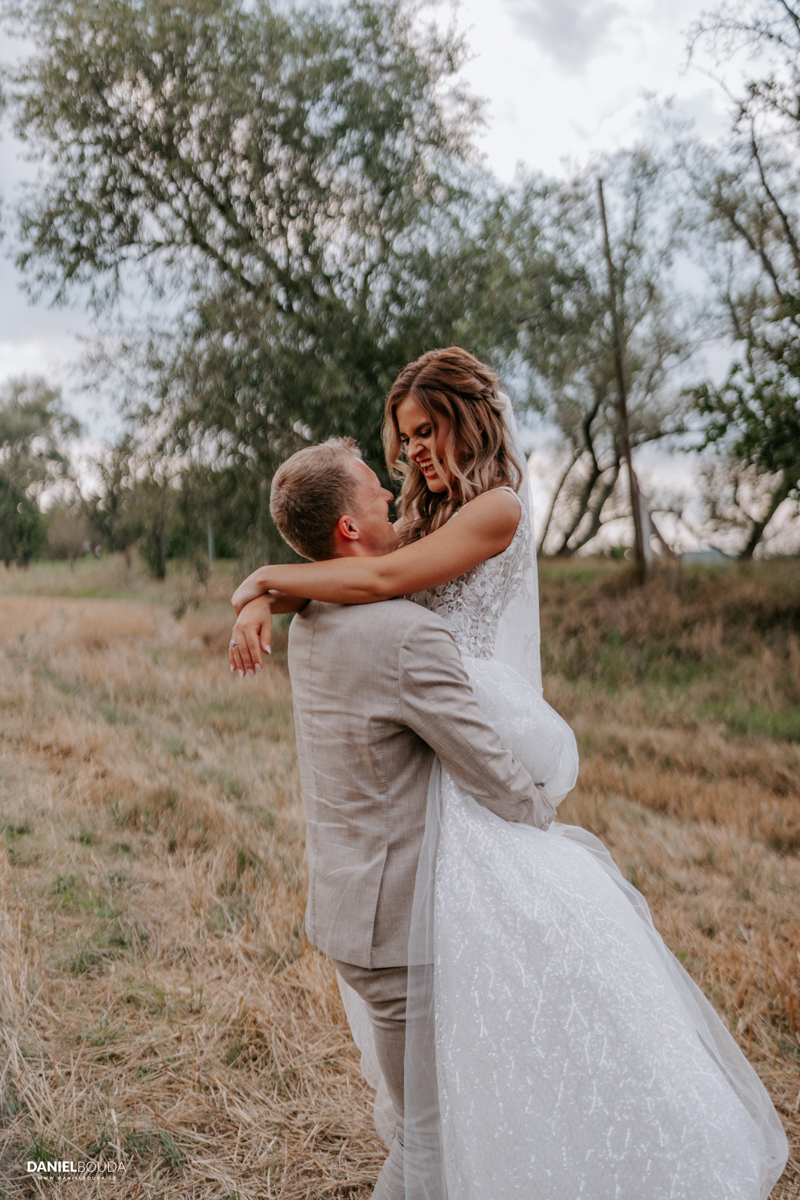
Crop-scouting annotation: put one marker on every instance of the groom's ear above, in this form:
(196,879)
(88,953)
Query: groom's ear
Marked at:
(347,529)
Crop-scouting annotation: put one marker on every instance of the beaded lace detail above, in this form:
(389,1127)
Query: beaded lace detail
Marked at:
(473,604)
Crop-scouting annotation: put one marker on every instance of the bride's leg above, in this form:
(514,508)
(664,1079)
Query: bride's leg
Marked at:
(384,992)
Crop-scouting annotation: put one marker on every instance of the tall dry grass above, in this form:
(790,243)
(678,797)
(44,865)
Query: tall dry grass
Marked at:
(159,1005)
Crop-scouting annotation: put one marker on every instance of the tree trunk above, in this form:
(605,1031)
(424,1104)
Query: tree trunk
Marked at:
(596,509)
(161,560)
(623,432)
(556,494)
(782,490)
(580,513)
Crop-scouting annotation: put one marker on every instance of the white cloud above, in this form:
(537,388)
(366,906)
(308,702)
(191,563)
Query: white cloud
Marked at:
(569,31)
(33,354)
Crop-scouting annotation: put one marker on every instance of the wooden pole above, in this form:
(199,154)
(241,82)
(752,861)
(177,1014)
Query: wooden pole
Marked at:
(623,427)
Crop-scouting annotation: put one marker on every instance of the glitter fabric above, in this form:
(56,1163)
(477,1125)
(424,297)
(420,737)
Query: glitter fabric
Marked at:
(574,1058)
(568,1064)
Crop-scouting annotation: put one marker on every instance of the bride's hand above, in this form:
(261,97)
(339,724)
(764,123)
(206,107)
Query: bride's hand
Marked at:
(251,634)
(251,589)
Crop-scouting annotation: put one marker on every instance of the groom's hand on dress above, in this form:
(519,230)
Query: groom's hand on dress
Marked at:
(251,634)
(544,809)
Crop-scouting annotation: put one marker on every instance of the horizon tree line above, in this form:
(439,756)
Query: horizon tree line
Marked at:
(300,189)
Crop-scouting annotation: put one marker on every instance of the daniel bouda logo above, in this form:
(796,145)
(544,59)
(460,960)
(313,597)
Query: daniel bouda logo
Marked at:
(92,1166)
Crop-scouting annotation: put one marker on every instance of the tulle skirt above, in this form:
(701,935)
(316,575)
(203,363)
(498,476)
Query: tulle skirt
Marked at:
(573,1056)
(556,1050)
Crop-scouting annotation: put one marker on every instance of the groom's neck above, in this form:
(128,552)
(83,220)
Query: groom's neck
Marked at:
(355,550)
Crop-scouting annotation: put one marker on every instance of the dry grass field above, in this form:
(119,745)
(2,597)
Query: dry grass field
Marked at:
(160,1008)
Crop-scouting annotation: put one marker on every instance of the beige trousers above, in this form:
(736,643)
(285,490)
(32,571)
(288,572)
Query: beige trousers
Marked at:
(384,992)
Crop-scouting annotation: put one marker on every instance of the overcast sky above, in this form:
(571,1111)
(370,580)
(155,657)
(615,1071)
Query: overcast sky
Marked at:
(562,79)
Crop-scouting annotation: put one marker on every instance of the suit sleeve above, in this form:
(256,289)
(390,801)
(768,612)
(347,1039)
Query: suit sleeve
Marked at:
(437,702)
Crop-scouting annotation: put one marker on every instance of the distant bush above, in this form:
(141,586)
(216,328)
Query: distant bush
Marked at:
(68,534)
(22,527)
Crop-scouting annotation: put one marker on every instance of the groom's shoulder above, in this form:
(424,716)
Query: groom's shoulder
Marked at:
(404,617)
(385,623)
(364,650)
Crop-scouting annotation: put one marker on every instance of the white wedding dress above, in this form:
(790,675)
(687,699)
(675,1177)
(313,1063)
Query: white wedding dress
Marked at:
(556,1050)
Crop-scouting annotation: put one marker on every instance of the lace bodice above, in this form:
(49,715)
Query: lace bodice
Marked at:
(473,604)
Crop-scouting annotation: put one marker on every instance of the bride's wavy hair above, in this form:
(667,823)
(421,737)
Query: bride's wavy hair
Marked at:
(455,384)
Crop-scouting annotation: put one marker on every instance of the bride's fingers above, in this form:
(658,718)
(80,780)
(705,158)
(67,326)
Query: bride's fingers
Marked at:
(252,650)
(238,655)
(235,657)
(248,665)
(265,633)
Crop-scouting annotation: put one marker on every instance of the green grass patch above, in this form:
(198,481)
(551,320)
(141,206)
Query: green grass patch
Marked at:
(231,785)
(578,572)
(107,578)
(85,836)
(115,715)
(13,835)
(753,721)
(75,895)
(757,722)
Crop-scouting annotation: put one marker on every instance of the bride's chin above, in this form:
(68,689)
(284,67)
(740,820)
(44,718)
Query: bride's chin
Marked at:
(435,484)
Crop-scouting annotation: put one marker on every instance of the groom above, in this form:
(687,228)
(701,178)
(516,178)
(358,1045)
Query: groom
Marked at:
(379,690)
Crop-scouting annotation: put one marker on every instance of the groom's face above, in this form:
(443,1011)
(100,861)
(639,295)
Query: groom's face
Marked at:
(370,516)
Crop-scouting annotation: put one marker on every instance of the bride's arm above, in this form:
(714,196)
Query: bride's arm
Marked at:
(483,528)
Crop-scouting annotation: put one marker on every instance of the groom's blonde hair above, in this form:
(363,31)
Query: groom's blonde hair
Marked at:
(310,492)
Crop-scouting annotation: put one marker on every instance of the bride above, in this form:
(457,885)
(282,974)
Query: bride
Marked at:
(556,1050)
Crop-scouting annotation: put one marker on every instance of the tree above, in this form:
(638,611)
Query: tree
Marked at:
(747,188)
(34,430)
(299,182)
(138,503)
(22,530)
(68,532)
(734,504)
(568,343)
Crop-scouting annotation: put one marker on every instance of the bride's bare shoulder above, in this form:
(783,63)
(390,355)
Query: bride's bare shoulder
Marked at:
(498,509)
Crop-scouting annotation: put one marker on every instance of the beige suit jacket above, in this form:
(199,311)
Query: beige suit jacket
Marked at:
(379,689)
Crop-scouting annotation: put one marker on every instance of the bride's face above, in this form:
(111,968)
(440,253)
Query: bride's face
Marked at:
(423,443)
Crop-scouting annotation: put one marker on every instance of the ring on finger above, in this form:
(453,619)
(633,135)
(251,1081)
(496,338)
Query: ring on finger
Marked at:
(233,643)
